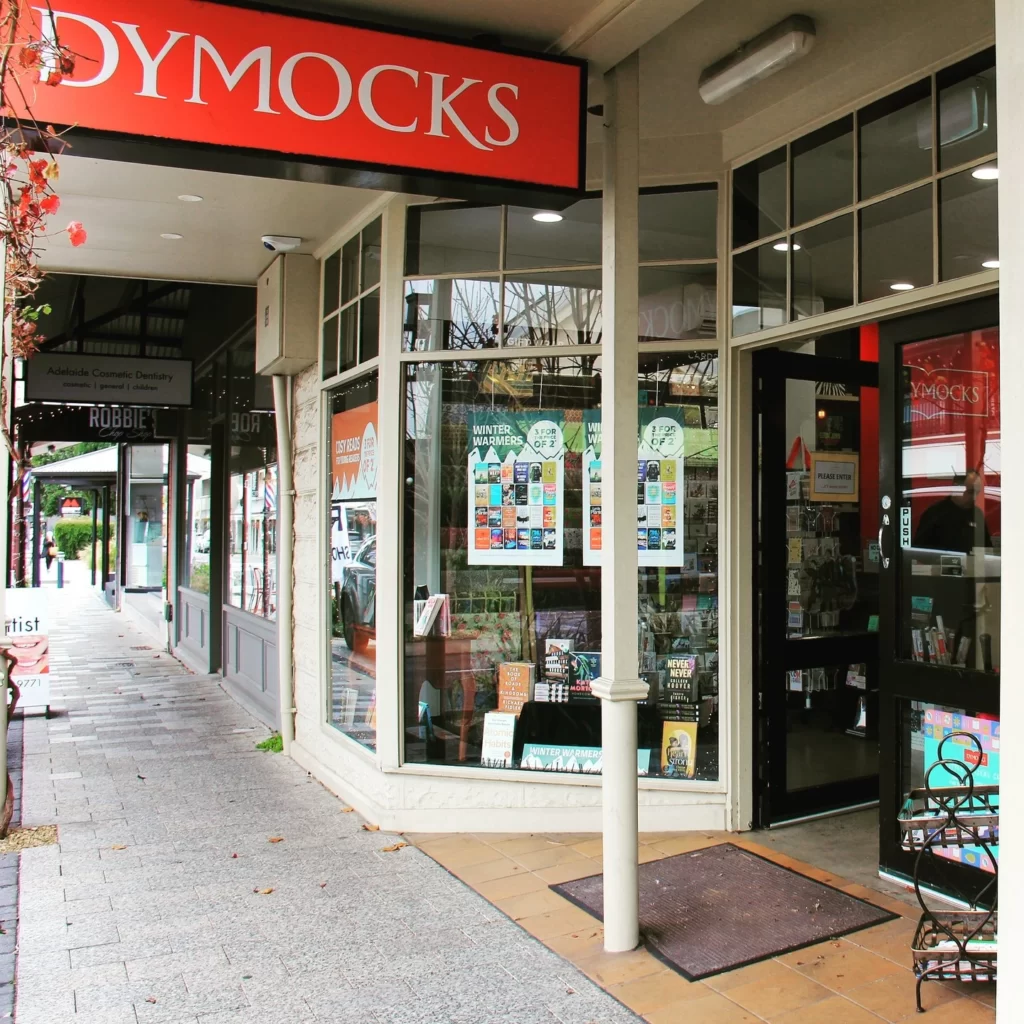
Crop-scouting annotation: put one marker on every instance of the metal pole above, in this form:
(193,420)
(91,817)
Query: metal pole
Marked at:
(105,543)
(95,503)
(37,501)
(619,686)
(285,497)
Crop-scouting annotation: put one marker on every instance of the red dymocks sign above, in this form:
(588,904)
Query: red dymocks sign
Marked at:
(198,72)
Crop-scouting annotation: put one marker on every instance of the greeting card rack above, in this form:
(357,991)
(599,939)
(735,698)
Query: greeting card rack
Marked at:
(956,945)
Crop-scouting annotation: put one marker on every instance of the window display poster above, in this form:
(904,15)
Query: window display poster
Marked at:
(585,760)
(938,725)
(27,629)
(516,488)
(661,496)
(354,466)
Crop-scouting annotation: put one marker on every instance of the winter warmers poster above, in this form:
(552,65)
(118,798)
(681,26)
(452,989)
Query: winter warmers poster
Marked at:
(516,488)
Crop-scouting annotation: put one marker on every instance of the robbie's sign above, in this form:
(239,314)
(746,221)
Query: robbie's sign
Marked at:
(201,72)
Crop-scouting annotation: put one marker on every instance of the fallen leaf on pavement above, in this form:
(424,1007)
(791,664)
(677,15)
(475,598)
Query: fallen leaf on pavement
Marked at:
(263,892)
(323,885)
(370,828)
(392,847)
(234,856)
(150,999)
(347,810)
(276,839)
(119,846)
(143,777)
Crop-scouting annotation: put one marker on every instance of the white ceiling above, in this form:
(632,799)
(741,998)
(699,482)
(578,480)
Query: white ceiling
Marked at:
(126,207)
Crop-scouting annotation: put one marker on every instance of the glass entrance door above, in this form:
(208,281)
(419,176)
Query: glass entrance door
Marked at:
(940,539)
(816,589)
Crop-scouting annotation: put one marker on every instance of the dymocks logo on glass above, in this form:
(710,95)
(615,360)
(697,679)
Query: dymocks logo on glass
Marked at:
(226,76)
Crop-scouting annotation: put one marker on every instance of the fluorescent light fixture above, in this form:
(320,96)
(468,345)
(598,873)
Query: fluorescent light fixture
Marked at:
(547,217)
(785,247)
(991,264)
(171,236)
(188,198)
(755,60)
(902,286)
(990,172)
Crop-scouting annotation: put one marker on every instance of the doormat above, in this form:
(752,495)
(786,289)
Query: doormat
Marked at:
(723,907)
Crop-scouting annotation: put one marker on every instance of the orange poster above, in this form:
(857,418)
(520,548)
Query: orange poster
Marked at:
(354,454)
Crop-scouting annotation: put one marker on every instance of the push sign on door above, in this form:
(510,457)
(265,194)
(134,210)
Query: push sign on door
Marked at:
(905,526)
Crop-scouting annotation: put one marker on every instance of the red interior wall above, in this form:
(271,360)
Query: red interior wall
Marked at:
(869,441)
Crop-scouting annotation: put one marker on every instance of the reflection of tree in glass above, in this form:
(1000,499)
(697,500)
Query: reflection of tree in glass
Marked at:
(538,313)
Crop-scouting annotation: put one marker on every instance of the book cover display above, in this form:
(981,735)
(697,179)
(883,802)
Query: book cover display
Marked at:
(583,760)
(516,488)
(937,725)
(584,668)
(499,736)
(679,750)
(516,682)
(661,494)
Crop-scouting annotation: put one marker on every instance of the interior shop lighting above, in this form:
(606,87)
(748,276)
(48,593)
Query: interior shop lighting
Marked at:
(189,198)
(171,236)
(547,217)
(756,59)
(902,286)
(990,172)
(991,264)
(785,247)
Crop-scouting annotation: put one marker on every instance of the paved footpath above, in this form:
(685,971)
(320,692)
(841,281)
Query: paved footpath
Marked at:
(152,907)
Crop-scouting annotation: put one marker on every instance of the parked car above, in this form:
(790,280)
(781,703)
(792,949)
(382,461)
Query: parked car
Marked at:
(358,595)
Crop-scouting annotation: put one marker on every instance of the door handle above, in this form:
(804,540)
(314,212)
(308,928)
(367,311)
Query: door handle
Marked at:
(881,550)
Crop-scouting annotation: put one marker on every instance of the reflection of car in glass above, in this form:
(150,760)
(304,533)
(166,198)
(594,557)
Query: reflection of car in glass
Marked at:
(358,595)
(201,544)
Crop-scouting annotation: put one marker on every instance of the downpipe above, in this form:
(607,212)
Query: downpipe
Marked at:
(285,558)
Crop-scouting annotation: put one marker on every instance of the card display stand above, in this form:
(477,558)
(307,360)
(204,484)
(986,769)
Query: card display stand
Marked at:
(954,945)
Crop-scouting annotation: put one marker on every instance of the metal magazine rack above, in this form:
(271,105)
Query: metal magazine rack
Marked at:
(955,945)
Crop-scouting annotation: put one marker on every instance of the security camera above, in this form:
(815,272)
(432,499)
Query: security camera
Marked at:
(280,243)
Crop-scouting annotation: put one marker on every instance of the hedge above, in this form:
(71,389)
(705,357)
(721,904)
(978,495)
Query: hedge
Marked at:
(72,535)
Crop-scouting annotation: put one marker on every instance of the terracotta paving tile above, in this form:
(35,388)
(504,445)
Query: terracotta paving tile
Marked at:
(712,1009)
(879,899)
(490,838)
(685,843)
(570,838)
(590,847)
(511,885)
(503,867)
(609,969)
(768,988)
(522,844)
(531,903)
(835,1010)
(558,922)
(458,851)
(892,997)
(648,853)
(891,940)
(654,991)
(840,965)
(960,1011)
(569,871)
(576,946)
(984,993)
(550,857)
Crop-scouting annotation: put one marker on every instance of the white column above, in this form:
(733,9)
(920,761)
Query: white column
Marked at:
(1010,85)
(390,488)
(619,688)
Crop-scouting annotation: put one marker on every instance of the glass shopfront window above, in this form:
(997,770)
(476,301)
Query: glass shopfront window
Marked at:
(352,485)
(503,526)
(907,202)
(252,488)
(544,287)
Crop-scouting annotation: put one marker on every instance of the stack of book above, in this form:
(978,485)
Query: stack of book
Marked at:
(678,698)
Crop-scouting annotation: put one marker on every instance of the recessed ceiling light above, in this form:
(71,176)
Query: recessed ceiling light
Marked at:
(188,198)
(987,173)
(547,217)
(902,286)
(785,247)
(991,264)
(171,236)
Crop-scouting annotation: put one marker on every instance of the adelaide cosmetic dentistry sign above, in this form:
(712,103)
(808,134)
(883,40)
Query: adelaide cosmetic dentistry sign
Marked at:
(28,642)
(516,472)
(659,492)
